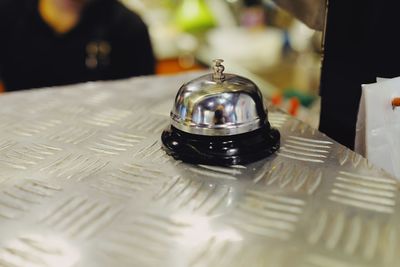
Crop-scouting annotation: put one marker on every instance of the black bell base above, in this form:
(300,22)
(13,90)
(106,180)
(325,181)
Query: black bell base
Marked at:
(221,150)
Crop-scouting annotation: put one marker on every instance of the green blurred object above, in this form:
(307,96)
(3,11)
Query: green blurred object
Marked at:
(305,99)
(194,16)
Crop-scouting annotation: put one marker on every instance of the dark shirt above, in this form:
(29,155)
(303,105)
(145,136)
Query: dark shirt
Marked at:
(109,42)
(361,44)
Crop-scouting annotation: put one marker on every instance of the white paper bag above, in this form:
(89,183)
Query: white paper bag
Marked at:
(378,125)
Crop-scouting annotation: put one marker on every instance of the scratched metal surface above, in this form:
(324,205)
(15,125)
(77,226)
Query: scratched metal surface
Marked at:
(84,182)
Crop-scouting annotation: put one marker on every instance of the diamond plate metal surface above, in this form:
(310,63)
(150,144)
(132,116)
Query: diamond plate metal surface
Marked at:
(84,182)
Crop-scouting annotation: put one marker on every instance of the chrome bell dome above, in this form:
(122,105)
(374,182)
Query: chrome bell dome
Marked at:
(219,119)
(218,104)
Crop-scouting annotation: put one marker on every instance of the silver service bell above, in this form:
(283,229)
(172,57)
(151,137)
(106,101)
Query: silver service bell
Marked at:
(220,119)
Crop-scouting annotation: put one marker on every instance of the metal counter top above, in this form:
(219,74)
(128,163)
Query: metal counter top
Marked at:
(84,182)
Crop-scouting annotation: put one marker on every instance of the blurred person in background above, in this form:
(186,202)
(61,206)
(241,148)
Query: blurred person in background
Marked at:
(58,42)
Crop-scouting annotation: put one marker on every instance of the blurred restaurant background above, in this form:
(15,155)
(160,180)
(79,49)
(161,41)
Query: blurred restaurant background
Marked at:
(255,38)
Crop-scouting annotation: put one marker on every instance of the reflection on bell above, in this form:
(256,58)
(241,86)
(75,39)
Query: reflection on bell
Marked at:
(220,119)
